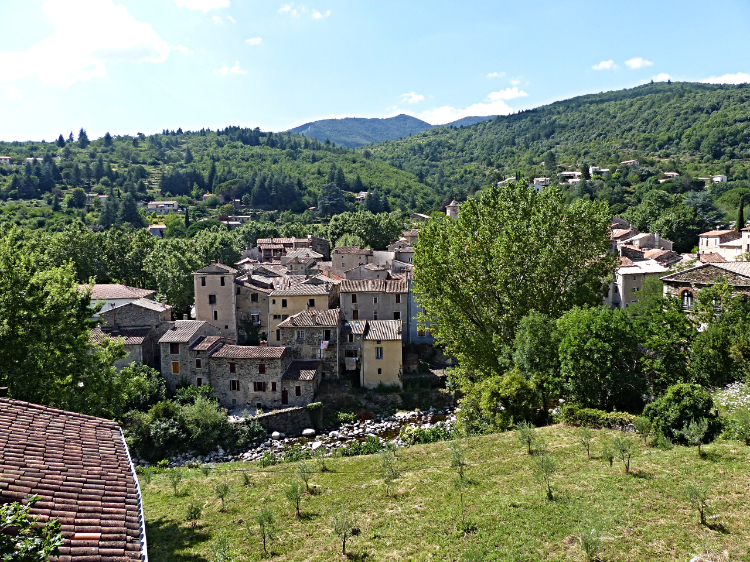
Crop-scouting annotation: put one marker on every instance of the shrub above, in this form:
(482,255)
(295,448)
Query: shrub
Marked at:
(697,495)
(591,417)
(187,393)
(296,454)
(249,433)
(266,525)
(145,386)
(175,477)
(642,427)
(414,435)
(194,511)
(584,438)
(268,459)
(346,417)
(343,527)
(695,433)
(294,494)
(544,468)
(738,426)
(370,446)
(608,452)
(591,544)
(388,469)
(222,491)
(683,402)
(624,448)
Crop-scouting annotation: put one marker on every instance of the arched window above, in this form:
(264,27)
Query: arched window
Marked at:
(687,300)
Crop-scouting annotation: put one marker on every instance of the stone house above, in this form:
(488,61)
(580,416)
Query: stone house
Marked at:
(216,297)
(273,249)
(111,295)
(252,303)
(686,284)
(410,235)
(175,345)
(313,294)
(313,334)
(348,257)
(382,354)
(138,344)
(367,271)
(403,250)
(380,299)
(199,354)
(351,338)
(262,377)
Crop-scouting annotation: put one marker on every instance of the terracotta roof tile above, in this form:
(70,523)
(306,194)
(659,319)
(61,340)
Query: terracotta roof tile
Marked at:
(301,371)
(183,331)
(249,352)
(132,336)
(206,343)
(312,318)
(711,258)
(383,330)
(114,291)
(373,286)
(352,250)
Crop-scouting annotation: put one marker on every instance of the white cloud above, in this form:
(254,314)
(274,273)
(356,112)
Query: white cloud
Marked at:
(507,94)
(661,77)
(739,78)
(515,81)
(224,70)
(182,49)
(254,41)
(217,20)
(88,36)
(494,104)
(496,75)
(12,93)
(605,65)
(297,11)
(202,5)
(231,19)
(317,15)
(638,62)
(289,9)
(411,97)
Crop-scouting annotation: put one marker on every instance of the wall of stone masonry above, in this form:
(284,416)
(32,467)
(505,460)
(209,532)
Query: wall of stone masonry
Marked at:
(309,346)
(290,421)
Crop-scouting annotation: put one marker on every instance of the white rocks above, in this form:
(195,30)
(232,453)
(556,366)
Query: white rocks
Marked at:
(276,435)
(309,432)
(316,445)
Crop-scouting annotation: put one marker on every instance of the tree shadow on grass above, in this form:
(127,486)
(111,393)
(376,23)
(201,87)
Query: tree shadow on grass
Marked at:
(711,456)
(308,515)
(719,528)
(641,474)
(358,556)
(166,538)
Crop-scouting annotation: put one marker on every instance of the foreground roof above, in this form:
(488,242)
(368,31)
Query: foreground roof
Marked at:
(383,330)
(80,467)
(735,273)
(373,286)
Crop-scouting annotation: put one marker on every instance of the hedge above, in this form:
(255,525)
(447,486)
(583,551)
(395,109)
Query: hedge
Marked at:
(591,417)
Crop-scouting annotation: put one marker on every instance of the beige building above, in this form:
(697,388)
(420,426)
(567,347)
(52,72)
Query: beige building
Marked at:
(630,276)
(348,257)
(313,294)
(731,245)
(252,305)
(216,298)
(379,299)
(176,359)
(382,354)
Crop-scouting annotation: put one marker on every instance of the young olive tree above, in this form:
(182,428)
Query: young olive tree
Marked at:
(266,526)
(544,468)
(526,435)
(591,544)
(305,472)
(624,449)
(174,476)
(697,495)
(344,527)
(194,511)
(643,427)
(695,432)
(294,494)
(222,491)
(458,458)
(388,469)
(585,436)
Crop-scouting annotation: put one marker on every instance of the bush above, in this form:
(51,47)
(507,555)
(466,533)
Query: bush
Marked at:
(370,446)
(591,417)
(207,425)
(346,417)
(681,403)
(187,393)
(296,454)
(249,433)
(145,387)
(414,435)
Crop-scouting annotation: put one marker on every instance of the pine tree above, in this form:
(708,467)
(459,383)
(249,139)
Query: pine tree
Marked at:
(70,137)
(56,201)
(99,171)
(60,141)
(188,156)
(107,140)
(740,215)
(187,219)
(83,138)
(129,212)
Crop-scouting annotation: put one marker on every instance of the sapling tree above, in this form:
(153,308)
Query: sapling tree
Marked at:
(343,527)
(294,493)
(146,476)
(194,511)
(222,550)
(305,472)
(526,435)
(206,469)
(458,458)
(388,469)
(222,491)
(246,479)
(175,478)
(544,468)
(585,436)
(642,427)
(266,526)
(624,449)
(591,544)
(697,495)
(461,485)
(695,432)
(320,458)
(608,452)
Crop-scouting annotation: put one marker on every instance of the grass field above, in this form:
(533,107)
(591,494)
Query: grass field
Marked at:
(644,515)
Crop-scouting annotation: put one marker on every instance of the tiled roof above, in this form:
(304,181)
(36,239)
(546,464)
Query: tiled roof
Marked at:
(373,286)
(149,304)
(356,327)
(383,330)
(132,336)
(738,267)
(80,467)
(716,232)
(183,331)
(352,250)
(411,233)
(205,343)
(711,258)
(249,352)
(312,318)
(736,273)
(304,253)
(216,269)
(114,291)
(302,289)
(301,371)
(271,246)
(622,261)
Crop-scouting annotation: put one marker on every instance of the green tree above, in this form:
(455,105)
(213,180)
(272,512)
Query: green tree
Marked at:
(23,538)
(535,354)
(78,198)
(678,406)
(187,220)
(107,140)
(331,200)
(129,212)
(60,142)
(188,156)
(511,251)
(599,359)
(83,138)
(170,265)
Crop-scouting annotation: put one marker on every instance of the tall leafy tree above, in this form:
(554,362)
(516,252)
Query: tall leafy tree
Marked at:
(129,212)
(511,251)
(331,200)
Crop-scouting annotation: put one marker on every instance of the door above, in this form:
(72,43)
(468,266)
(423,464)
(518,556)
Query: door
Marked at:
(284,397)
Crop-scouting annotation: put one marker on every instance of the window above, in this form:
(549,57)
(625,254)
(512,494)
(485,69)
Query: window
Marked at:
(298,391)
(636,289)
(283,303)
(342,264)
(687,300)
(216,314)
(238,290)
(278,335)
(375,315)
(273,387)
(197,363)
(311,302)
(255,318)
(374,300)
(354,298)
(234,385)
(222,281)
(617,289)
(259,386)
(273,301)
(203,281)
(199,382)
(355,314)
(398,298)
(327,335)
(277,316)
(175,367)
(380,371)
(420,333)
(397,315)
(262,369)
(174,348)
(254,297)
(378,353)
(233,367)
(351,338)
(300,334)
(635,277)
(211,299)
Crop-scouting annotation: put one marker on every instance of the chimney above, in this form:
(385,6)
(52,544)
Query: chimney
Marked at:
(3,391)
(263,343)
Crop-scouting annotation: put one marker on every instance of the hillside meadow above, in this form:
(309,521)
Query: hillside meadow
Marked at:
(643,515)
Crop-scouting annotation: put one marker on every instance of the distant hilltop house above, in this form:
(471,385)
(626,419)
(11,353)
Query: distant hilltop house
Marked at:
(6,160)
(506,180)
(570,177)
(419,217)
(669,176)
(539,183)
(728,245)
(451,210)
(719,178)
(158,230)
(163,207)
(597,170)
(633,163)
(361,196)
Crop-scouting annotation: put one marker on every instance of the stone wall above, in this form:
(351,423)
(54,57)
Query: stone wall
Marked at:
(247,373)
(290,421)
(133,316)
(309,346)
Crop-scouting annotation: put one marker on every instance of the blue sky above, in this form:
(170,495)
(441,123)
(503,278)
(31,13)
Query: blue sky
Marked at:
(128,66)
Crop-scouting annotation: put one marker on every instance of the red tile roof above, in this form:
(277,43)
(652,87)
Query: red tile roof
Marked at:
(302,371)
(312,318)
(249,352)
(716,232)
(711,258)
(80,467)
(115,291)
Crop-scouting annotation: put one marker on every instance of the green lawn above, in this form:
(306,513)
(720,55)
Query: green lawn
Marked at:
(641,516)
